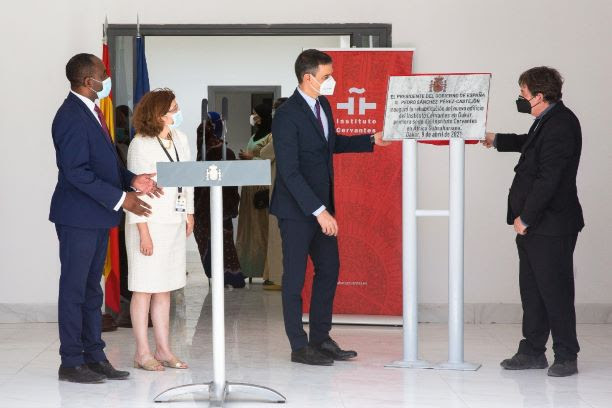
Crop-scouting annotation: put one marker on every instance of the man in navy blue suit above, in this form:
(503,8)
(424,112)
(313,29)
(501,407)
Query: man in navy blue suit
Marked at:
(92,188)
(305,141)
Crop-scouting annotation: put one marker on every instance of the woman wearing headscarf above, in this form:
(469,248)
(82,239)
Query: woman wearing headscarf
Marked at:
(252,239)
(273,270)
(213,142)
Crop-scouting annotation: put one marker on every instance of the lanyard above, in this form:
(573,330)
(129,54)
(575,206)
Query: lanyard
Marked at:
(180,189)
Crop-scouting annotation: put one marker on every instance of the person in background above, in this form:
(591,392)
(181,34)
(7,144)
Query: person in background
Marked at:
(110,321)
(122,142)
(122,130)
(92,188)
(273,269)
(252,236)
(544,209)
(156,245)
(214,151)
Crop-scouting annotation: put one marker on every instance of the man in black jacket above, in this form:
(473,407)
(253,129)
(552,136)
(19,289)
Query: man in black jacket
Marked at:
(544,209)
(305,141)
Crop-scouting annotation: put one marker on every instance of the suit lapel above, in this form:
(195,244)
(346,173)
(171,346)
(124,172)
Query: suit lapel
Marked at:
(328,113)
(541,123)
(92,118)
(310,114)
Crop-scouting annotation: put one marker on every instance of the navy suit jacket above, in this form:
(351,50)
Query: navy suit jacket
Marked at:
(91,178)
(304,159)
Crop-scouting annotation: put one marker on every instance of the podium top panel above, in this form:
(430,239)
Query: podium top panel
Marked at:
(214,173)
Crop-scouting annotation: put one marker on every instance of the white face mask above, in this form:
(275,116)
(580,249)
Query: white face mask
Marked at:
(252,120)
(106,88)
(326,87)
(177,120)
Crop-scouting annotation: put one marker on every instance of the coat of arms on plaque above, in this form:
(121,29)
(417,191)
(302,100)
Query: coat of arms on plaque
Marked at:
(438,84)
(213,173)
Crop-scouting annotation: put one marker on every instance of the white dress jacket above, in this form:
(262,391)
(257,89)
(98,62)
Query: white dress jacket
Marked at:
(143,155)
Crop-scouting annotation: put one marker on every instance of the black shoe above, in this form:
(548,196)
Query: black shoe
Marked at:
(236,280)
(105,368)
(310,355)
(563,368)
(521,361)
(331,348)
(80,374)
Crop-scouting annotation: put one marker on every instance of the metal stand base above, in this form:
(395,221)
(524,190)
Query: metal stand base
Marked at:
(458,366)
(257,391)
(416,364)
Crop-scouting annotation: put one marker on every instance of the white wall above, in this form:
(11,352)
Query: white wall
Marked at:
(502,37)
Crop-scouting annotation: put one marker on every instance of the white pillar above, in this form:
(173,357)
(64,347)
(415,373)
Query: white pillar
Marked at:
(455,259)
(410,284)
(218,315)
(409,254)
(455,251)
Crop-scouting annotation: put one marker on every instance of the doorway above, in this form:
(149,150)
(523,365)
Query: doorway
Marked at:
(241,101)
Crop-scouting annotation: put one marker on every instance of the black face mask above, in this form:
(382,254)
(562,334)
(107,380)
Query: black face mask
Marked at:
(523,105)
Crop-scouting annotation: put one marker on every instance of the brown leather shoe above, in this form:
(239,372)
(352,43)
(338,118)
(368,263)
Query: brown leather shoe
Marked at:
(125,319)
(108,323)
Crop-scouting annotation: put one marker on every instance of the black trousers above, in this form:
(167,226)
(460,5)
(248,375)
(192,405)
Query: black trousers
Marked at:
(546,278)
(299,240)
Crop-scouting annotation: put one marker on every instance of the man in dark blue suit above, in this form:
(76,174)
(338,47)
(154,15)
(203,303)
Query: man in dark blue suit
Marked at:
(305,141)
(92,189)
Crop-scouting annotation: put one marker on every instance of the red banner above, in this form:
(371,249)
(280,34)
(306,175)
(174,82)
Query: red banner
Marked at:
(368,187)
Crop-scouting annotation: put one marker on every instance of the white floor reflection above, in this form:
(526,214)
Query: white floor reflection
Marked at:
(258,352)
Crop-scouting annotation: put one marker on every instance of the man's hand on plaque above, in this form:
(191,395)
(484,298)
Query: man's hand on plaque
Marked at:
(378,140)
(489,139)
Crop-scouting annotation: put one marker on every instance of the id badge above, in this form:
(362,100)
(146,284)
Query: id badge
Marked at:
(181,203)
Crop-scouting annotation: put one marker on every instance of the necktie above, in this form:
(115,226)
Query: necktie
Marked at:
(318,114)
(102,122)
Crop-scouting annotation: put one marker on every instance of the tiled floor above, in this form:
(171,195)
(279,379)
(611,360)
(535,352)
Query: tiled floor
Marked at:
(258,352)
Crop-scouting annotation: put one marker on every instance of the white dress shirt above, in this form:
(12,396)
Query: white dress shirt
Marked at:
(91,105)
(312,102)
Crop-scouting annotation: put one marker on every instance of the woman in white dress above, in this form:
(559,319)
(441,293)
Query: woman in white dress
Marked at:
(156,245)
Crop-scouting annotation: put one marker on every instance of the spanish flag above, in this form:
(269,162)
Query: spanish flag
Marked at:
(111,266)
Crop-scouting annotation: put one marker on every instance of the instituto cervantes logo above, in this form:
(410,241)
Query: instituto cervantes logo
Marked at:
(438,84)
(213,173)
(363,106)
